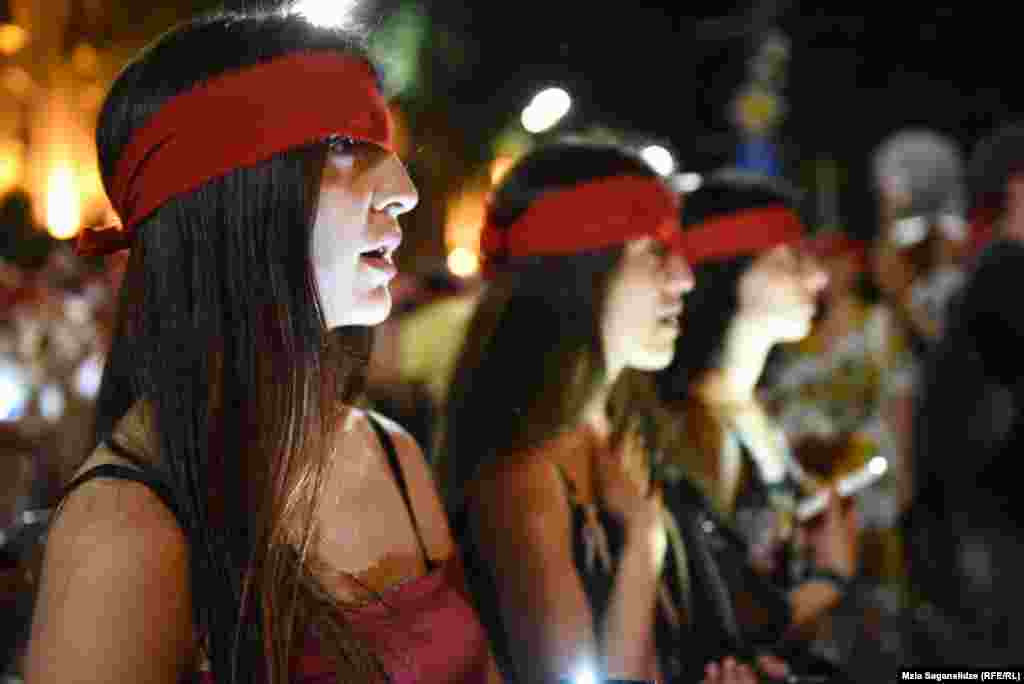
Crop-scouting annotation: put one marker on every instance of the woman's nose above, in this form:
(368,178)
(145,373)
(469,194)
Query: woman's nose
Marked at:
(679,275)
(395,192)
(815,275)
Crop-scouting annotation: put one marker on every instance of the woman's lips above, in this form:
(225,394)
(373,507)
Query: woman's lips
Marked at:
(382,265)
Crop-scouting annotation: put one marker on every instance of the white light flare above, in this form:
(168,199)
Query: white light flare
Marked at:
(584,675)
(14,390)
(909,231)
(327,12)
(463,262)
(687,182)
(878,465)
(89,376)
(547,108)
(660,159)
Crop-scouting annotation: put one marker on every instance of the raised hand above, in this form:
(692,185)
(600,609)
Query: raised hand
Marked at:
(831,538)
(624,488)
(728,672)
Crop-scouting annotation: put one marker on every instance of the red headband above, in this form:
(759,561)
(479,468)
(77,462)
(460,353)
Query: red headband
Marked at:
(834,243)
(236,120)
(742,232)
(591,215)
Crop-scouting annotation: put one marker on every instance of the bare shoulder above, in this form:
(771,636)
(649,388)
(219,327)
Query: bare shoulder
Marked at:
(423,491)
(521,523)
(523,488)
(105,512)
(405,444)
(115,557)
(410,456)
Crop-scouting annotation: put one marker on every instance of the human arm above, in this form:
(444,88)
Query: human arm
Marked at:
(729,671)
(114,602)
(622,477)
(830,541)
(521,524)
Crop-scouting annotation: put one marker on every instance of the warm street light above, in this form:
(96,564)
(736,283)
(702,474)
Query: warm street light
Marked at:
(501,165)
(463,262)
(63,205)
(12,39)
(12,153)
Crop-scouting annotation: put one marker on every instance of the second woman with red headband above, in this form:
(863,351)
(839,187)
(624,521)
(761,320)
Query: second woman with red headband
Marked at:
(238,519)
(564,536)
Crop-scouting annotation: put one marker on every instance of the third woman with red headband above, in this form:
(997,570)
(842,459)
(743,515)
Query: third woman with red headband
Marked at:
(731,482)
(564,536)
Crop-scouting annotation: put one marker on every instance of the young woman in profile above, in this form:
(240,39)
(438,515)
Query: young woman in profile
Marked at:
(239,520)
(563,534)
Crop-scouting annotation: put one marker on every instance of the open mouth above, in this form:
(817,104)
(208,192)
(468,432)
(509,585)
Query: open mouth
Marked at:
(382,251)
(379,253)
(380,260)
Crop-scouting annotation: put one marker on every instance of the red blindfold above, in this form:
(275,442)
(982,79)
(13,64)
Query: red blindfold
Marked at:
(748,231)
(237,120)
(593,215)
(833,244)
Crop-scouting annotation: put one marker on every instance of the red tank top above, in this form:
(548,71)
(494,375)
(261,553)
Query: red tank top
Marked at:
(423,630)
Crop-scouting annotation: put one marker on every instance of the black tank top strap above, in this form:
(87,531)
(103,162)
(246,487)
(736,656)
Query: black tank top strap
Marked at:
(141,472)
(126,454)
(396,469)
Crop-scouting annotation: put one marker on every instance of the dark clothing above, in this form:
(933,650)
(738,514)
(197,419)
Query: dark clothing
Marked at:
(736,610)
(733,610)
(963,530)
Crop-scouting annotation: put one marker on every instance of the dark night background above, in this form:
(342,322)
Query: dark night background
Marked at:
(853,78)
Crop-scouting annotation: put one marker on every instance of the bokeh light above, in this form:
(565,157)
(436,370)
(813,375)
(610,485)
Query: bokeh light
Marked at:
(63,204)
(327,12)
(660,159)
(463,262)
(546,109)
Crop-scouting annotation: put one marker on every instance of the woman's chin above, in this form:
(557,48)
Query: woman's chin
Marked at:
(373,308)
(795,331)
(654,359)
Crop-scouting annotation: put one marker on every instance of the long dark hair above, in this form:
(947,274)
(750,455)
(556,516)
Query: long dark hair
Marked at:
(713,303)
(220,332)
(533,357)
